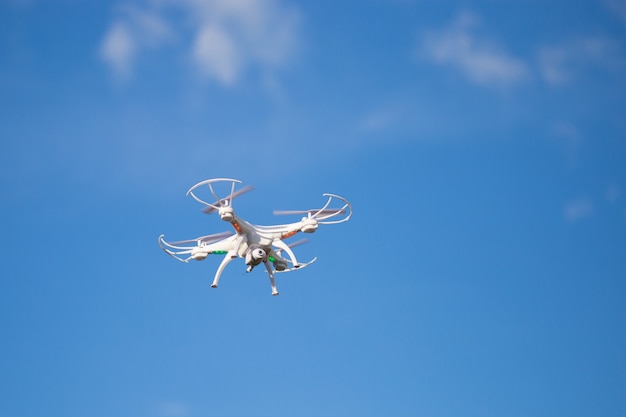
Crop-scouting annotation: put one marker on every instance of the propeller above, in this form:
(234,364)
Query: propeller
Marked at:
(317,212)
(324,213)
(279,251)
(294,244)
(203,239)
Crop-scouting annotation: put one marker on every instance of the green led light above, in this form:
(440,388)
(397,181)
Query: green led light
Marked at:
(219,252)
(272,259)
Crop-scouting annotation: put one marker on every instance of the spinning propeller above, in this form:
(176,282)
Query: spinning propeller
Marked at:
(323,214)
(202,240)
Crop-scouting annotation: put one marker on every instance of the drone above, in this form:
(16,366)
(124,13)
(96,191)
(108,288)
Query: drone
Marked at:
(255,244)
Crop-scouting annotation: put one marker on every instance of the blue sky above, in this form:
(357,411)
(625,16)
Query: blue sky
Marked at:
(481,143)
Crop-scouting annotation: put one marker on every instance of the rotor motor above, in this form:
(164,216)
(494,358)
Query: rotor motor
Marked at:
(226,213)
(309,225)
(280,264)
(199,254)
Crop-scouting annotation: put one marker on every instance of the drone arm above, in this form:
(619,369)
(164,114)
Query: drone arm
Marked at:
(227,259)
(243,239)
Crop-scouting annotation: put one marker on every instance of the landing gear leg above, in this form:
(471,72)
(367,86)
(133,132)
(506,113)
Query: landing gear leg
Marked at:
(227,259)
(272,280)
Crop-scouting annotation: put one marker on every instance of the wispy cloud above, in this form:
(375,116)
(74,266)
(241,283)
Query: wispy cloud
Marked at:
(377,121)
(217,54)
(480,58)
(118,49)
(223,37)
(618,7)
(613,193)
(570,138)
(561,64)
(578,209)
(172,409)
(135,30)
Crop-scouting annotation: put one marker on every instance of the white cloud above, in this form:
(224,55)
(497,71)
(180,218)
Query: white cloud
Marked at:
(133,31)
(570,138)
(560,64)
(377,121)
(173,409)
(118,49)
(481,59)
(618,7)
(217,54)
(578,209)
(613,193)
(225,37)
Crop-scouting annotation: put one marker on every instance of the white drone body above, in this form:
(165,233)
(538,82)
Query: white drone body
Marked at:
(255,244)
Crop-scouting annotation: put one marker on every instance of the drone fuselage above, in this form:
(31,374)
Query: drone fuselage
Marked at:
(249,237)
(256,244)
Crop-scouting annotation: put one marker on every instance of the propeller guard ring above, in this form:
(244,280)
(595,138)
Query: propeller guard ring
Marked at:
(219,202)
(324,215)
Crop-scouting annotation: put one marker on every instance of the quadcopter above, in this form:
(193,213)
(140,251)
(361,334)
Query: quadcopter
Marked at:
(255,244)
